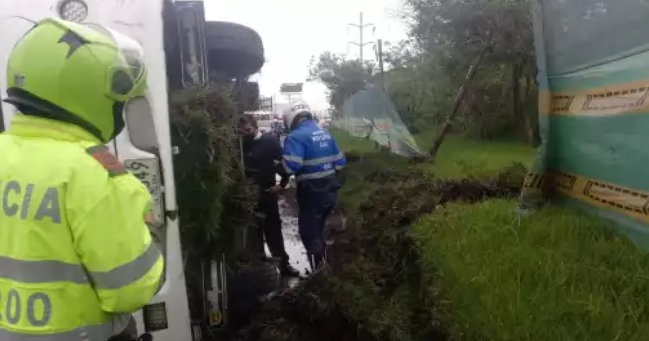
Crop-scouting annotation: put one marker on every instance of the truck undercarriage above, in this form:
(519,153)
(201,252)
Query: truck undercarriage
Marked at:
(220,56)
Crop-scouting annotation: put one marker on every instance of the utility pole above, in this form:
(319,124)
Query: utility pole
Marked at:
(379,54)
(361,26)
(379,57)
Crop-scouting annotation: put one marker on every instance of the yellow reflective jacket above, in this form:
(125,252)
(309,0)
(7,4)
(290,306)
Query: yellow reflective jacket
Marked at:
(75,252)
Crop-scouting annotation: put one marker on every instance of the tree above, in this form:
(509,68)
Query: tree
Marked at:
(448,35)
(445,36)
(343,77)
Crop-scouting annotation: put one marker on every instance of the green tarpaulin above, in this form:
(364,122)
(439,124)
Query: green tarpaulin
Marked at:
(593,60)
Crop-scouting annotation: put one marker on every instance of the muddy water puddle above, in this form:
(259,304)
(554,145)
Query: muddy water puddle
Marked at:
(288,210)
(292,241)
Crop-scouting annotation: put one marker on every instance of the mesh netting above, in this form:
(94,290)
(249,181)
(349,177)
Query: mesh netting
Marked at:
(371,114)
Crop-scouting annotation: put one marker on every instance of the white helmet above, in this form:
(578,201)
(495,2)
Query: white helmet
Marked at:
(298,108)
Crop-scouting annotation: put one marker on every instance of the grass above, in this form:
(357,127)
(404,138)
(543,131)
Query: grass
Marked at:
(558,275)
(555,275)
(460,158)
(457,158)
(356,188)
(351,144)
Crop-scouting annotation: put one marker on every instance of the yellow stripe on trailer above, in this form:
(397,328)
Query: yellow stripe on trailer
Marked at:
(630,202)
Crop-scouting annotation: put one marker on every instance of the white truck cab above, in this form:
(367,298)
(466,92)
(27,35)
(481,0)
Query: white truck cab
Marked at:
(150,22)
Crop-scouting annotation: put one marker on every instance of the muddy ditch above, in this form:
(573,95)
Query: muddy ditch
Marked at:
(288,211)
(375,288)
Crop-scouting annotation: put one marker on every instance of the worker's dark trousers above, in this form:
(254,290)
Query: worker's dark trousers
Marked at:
(269,227)
(315,208)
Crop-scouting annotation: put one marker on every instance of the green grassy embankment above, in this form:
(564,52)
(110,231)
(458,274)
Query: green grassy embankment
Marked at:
(485,274)
(556,275)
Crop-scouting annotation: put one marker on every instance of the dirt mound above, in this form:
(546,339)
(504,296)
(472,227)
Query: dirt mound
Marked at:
(506,184)
(353,157)
(378,282)
(308,312)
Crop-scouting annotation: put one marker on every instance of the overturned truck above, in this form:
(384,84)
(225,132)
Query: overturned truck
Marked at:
(181,51)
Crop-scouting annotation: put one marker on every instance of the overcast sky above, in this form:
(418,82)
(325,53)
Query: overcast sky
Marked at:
(295,30)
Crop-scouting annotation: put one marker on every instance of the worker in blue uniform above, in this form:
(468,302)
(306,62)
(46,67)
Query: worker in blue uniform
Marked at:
(312,155)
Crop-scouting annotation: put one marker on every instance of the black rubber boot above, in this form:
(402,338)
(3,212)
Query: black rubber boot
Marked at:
(319,261)
(286,270)
(316,261)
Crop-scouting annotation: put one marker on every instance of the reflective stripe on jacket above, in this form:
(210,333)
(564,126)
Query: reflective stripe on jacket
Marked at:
(310,152)
(75,253)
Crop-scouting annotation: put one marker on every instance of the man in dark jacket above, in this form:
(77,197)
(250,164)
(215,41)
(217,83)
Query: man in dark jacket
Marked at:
(262,159)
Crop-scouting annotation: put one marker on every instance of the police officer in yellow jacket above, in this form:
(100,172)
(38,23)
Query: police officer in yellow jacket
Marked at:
(76,256)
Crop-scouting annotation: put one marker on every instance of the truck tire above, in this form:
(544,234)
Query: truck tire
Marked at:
(247,287)
(233,49)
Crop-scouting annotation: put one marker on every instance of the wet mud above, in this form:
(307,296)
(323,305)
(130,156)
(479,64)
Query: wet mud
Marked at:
(305,308)
(336,224)
(374,257)
(288,210)
(292,241)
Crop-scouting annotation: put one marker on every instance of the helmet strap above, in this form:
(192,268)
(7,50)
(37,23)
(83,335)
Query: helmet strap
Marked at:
(30,104)
(118,119)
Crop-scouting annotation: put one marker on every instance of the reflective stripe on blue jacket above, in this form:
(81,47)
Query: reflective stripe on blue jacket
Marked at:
(310,153)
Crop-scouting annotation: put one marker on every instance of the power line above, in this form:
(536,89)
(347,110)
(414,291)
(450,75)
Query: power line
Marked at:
(361,28)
